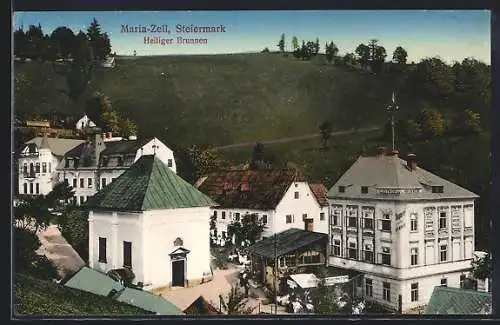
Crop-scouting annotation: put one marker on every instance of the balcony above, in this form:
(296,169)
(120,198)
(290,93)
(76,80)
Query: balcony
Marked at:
(29,154)
(468,231)
(29,175)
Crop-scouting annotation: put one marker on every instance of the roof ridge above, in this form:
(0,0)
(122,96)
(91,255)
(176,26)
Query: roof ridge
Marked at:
(150,173)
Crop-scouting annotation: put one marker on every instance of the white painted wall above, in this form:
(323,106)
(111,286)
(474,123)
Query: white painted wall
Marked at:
(401,240)
(162,228)
(83,122)
(161,151)
(221,224)
(46,181)
(152,234)
(426,286)
(305,204)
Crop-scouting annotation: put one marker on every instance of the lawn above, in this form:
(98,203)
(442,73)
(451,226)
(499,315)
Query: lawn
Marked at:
(34,297)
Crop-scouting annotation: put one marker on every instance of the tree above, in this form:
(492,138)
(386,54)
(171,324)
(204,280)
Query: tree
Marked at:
(281,44)
(34,42)
(251,228)
(20,43)
(316,47)
(80,72)
(265,50)
(26,260)
(400,55)
(325,299)
(433,77)
(349,59)
(468,122)
(235,303)
(431,122)
(325,129)
(64,39)
(295,43)
(331,51)
(75,229)
(363,53)
(100,110)
(307,50)
(127,127)
(234,230)
(377,56)
(482,268)
(203,160)
(99,42)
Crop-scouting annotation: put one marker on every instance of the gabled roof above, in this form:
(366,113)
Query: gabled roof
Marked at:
(148,301)
(93,281)
(391,173)
(58,146)
(286,241)
(148,185)
(201,307)
(449,301)
(319,191)
(248,189)
(123,146)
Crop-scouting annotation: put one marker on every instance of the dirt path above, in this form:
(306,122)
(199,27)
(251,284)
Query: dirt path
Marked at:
(297,138)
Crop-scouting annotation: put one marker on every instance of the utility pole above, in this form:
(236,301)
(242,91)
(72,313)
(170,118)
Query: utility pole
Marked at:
(392,108)
(275,273)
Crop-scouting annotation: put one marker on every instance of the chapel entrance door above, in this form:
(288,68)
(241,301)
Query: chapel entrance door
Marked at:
(178,268)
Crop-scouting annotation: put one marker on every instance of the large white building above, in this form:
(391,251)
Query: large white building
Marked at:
(403,228)
(154,223)
(281,198)
(95,163)
(38,160)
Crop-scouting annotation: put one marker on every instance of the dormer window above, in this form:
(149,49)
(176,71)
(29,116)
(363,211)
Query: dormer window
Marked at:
(66,163)
(105,162)
(364,189)
(120,161)
(437,189)
(341,189)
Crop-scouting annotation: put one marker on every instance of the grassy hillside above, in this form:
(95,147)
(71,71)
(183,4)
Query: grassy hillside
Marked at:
(230,98)
(35,297)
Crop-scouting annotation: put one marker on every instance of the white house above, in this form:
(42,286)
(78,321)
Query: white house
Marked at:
(84,122)
(94,164)
(281,198)
(405,229)
(153,222)
(38,161)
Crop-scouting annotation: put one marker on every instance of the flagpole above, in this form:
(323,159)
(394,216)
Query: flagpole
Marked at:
(392,108)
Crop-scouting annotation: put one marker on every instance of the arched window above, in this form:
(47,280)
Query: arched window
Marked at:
(50,168)
(25,187)
(25,168)
(37,167)
(32,168)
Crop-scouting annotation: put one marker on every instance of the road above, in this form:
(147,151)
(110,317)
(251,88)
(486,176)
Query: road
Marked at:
(297,138)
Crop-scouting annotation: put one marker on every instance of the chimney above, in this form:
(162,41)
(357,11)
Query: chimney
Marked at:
(411,162)
(395,152)
(381,150)
(98,146)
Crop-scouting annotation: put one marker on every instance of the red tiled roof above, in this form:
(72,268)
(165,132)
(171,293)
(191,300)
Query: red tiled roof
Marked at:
(319,191)
(248,189)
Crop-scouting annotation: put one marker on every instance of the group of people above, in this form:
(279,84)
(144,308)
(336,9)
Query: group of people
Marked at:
(244,281)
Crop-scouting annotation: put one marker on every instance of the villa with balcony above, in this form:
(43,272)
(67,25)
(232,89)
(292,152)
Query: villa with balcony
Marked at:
(405,229)
(38,161)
